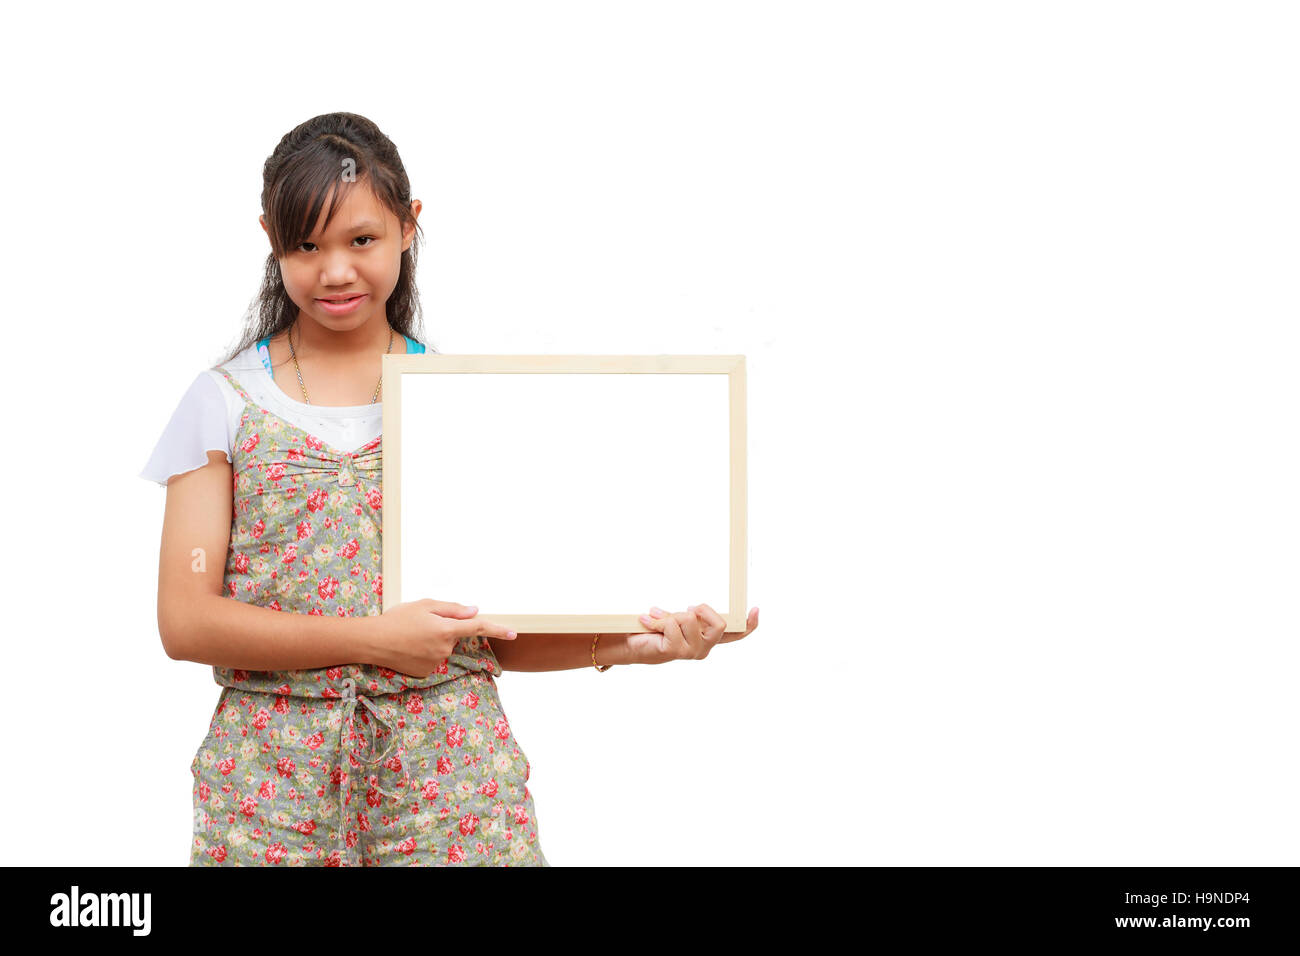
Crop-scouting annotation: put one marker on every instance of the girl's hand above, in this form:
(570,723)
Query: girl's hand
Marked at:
(416,637)
(685,635)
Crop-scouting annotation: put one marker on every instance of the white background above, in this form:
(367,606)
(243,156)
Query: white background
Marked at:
(565,429)
(1017,287)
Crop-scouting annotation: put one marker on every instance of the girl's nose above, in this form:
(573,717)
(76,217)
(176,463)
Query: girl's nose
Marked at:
(337,270)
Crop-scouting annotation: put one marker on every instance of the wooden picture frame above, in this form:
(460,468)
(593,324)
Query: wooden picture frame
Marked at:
(573,491)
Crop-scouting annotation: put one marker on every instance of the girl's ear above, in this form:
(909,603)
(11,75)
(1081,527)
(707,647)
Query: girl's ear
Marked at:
(409,232)
(262,222)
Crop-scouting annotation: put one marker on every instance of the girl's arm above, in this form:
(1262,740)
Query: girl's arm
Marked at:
(558,652)
(198,622)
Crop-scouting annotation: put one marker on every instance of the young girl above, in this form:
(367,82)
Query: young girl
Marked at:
(341,735)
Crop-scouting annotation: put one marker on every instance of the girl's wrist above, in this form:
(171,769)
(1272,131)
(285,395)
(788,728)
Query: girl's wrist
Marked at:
(612,649)
(368,633)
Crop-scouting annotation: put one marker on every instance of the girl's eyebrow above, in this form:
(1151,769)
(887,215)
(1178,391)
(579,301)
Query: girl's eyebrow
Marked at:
(366,226)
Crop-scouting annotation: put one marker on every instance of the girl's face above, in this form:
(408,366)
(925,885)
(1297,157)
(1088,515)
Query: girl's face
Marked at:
(360,255)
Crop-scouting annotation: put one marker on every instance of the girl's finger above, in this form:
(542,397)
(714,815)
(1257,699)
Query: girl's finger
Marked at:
(690,625)
(750,625)
(715,624)
(676,642)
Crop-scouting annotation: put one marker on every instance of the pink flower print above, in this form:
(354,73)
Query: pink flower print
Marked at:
(204,792)
(444,765)
(317,500)
(428,792)
(249,443)
(230,586)
(378,586)
(470,700)
(295,454)
(333,859)
(333,673)
(275,605)
(468,824)
(275,471)
(407,846)
(267,790)
(307,827)
(261,718)
(304,530)
(283,691)
(259,528)
(248,806)
(521,814)
(350,549)
(241,563)
(241,676)
(329,584)
(455,735)
(290,554)
(372,444)
(455,854)
(217,853)
(414,705)
(276,852)
(226,766)
(284,766)
(488,789)
(374,498)
(315,740)
(501,730)
(312,442)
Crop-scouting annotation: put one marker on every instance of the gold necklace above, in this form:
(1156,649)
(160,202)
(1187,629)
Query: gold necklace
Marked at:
(294,356)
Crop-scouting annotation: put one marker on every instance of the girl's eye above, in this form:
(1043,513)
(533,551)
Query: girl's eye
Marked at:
(369,239)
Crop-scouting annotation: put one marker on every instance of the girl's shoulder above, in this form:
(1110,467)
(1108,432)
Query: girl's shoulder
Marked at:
(199,423)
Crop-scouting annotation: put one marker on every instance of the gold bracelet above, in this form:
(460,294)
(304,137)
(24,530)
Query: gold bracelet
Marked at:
(593,656)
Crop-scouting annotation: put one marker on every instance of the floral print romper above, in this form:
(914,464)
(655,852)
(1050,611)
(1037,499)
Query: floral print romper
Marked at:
(354,764)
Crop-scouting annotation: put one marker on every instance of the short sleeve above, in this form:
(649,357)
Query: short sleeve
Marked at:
(198,425)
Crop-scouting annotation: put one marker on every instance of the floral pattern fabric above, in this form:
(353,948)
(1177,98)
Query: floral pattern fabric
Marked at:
(277,779)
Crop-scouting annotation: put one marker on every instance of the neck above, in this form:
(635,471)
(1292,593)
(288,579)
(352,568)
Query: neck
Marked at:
(313,339)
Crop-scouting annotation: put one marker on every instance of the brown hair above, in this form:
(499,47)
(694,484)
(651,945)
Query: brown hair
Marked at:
(298,178)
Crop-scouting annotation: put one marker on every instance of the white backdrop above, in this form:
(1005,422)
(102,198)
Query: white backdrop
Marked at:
(1017,288)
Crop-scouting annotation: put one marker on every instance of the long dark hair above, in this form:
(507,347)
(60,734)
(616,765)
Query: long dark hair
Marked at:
(306,171)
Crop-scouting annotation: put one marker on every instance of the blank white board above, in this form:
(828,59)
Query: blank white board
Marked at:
(566,493)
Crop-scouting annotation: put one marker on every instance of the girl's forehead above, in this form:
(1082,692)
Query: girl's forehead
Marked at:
(354,207)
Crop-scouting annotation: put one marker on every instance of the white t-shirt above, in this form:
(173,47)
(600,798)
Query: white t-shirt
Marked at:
(208,416)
